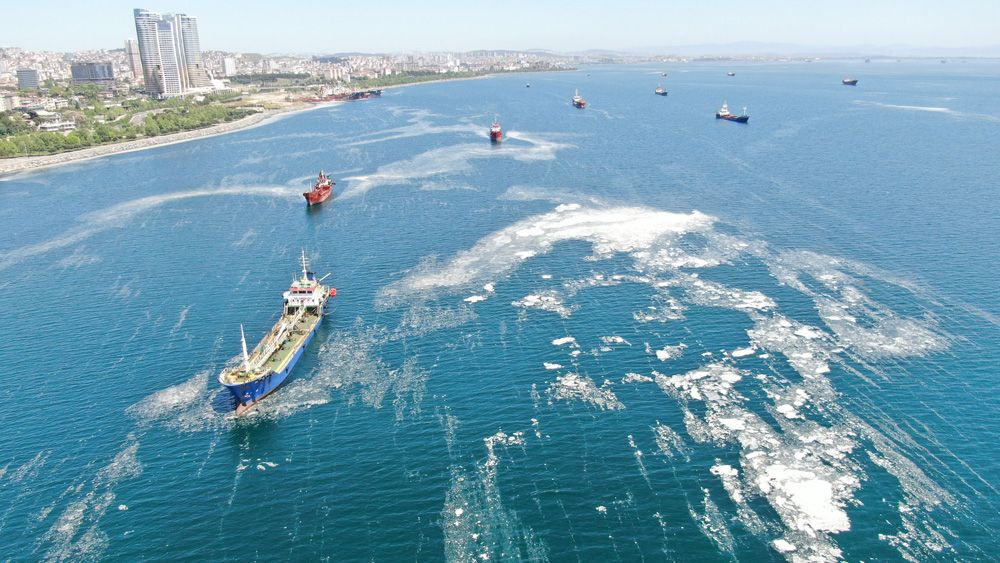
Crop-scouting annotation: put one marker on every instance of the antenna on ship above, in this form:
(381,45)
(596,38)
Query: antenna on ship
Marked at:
(305,265)
(246,357)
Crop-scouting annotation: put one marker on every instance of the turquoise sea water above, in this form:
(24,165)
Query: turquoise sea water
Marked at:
(630,332)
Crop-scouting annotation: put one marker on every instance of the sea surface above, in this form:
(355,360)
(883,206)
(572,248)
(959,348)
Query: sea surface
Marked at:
(630,332)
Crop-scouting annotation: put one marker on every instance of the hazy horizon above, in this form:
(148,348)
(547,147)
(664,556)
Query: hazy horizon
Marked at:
(966,26)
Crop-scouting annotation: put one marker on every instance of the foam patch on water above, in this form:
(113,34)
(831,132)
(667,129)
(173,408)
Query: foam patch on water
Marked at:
(620,229)
(75,535)
(451,160)
(98,221)
(572,386)
(476,525)
(549,300)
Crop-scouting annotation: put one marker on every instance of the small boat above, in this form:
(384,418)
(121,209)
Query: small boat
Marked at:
(660,91)
(578,101)
(663,74)
(528,85)
(321,191)
(849,82)
(496,133)
(723,113)
(730,73)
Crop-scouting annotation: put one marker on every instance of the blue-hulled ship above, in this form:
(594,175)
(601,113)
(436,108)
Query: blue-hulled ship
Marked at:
(266,368)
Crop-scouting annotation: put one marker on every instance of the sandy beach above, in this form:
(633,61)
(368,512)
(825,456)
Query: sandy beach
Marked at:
(26,163)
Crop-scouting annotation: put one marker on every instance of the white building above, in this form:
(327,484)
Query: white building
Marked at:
(229,66)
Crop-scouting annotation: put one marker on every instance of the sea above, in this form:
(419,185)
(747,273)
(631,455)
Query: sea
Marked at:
(630,332)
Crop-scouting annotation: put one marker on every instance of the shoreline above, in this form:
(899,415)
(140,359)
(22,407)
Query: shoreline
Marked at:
(10,166)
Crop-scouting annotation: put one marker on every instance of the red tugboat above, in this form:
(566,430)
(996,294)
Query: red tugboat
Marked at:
(321,191)
(579,102)
(496,133)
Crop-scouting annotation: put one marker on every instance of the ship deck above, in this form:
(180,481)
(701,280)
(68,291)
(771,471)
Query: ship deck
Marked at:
(278,360)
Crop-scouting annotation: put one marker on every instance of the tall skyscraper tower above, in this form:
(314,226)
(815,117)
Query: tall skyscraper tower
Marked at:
(193,71)
(169,52)
(132,56)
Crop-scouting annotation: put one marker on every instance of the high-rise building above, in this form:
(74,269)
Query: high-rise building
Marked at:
(102,74)
(27,79)
(132,57)
(193,73)
(169,52)
(229,66)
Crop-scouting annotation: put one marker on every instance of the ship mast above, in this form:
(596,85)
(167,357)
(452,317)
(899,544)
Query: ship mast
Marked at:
(246,357)
(305,265)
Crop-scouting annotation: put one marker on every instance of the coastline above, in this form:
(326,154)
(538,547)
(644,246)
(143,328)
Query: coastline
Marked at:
(31,163)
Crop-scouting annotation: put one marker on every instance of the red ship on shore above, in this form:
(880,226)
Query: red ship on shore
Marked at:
(496,132)
(321,191)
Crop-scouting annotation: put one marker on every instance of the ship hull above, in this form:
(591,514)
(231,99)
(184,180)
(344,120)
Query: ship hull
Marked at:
(580,105)
(660,93)
(496,138)
(249,393)
(316,198)
(849,82)
(734,118)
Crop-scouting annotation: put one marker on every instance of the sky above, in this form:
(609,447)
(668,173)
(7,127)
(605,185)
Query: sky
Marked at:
(328,26)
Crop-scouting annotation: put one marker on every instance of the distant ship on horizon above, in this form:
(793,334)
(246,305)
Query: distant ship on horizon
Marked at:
(660,91)
(849,82)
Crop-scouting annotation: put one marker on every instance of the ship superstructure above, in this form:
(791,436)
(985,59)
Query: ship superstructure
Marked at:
(265,368)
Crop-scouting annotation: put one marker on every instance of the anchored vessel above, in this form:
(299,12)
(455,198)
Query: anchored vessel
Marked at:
(267,367)
(849,82)
(365,94)
(321,191)
(578,101)
(660,91)
(723,113)
(496,133)
(730,73)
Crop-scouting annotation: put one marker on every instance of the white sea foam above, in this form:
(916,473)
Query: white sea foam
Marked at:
(572,386)
(564,340)
(548,300)
(98,221)
(621,229)
(450,160)
(75,535)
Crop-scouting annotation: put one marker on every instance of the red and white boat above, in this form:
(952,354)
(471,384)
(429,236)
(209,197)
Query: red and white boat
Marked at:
(496,132)
(578,101)
(321,191)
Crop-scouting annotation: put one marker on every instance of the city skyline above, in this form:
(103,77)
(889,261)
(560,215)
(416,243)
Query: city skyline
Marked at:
(637,26)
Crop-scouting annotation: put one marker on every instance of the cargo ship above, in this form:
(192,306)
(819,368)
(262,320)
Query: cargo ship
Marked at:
(365,95)
(849,82)
(321,191)
(578,101)
(496,132)
(660,91)
(723,113)
(262,371)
